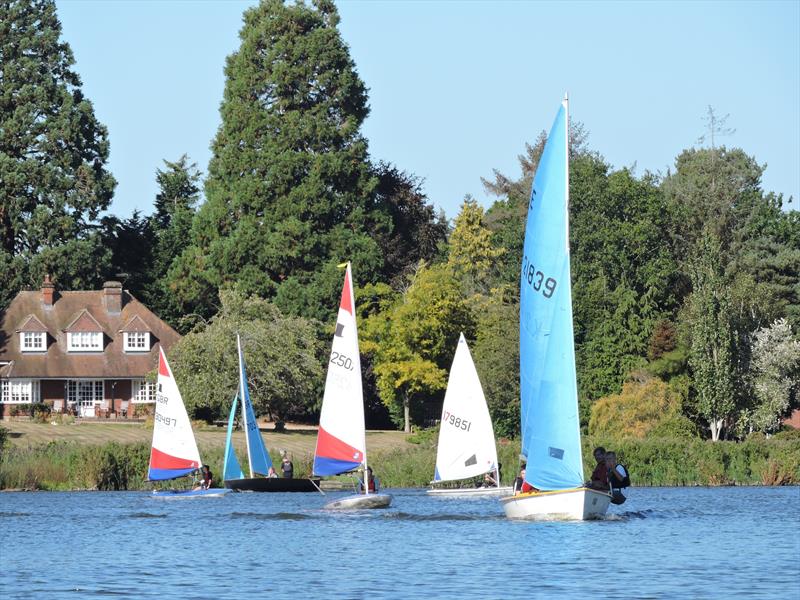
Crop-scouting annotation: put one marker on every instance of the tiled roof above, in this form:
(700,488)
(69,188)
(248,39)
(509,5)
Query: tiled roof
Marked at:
(32,324)
(135,324)
(72,311)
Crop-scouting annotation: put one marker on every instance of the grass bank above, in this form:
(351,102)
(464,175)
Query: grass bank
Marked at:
(94,462)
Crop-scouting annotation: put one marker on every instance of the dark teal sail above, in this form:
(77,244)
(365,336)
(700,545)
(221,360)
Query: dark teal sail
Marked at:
(257,454)
(231,468)
(549,392)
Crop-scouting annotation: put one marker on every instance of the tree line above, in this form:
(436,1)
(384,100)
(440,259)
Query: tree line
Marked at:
(686,286)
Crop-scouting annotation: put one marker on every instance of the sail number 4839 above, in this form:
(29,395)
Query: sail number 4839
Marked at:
(340,359)
(455,421)
(537,280)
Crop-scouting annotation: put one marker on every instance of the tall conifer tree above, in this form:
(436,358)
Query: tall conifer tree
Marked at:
(53,152)
(290,191)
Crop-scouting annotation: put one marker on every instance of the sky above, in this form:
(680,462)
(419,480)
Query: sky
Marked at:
(456,89)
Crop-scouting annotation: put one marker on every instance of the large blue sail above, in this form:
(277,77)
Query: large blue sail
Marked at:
(549,392)
(231,468)
(260,461)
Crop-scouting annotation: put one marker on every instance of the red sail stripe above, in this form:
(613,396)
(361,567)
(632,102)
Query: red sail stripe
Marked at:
(162,363)
(162,460)
(329,446)
(347,294)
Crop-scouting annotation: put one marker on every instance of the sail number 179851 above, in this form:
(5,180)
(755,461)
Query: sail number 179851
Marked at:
(537,280)
(455,421)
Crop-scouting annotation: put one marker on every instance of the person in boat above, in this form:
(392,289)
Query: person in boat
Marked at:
(287,467)
(599,478)
(521,486)
(371,482)
(206,478)
(489,480)
(618,478)
(271,474)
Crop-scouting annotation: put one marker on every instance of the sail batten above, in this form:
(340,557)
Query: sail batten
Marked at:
(549,397)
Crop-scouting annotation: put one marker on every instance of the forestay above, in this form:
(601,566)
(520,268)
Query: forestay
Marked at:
(466,437)
(549,399)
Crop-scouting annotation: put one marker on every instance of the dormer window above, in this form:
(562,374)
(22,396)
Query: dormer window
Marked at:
(33,341)
(137,341)
(85,341)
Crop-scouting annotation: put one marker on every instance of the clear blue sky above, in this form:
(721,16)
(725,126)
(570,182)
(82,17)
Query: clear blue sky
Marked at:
(456,89)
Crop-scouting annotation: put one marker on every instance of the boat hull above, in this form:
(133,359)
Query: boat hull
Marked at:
(360,502)
(575,504)
(470,492)
(178,494)
(274,484)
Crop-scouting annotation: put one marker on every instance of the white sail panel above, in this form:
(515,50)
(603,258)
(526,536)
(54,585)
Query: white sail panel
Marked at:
(466,437)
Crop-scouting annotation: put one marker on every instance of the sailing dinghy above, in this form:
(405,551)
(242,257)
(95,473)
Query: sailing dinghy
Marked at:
(466,438)
(258,459)
(174,450)
(341,440)
(549,393)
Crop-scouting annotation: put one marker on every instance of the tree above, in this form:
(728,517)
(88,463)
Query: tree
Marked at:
(472,256)
(645,407)
(776,374)
(711,356)
(290,187)
(53,153)
(412,343)
(285,379)
(171,224)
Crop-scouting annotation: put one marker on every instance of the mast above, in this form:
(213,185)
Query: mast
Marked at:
(244,409)
(364,424)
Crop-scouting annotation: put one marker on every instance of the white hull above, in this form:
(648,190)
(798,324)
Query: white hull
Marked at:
(577,504)
(471,492)
(360,502)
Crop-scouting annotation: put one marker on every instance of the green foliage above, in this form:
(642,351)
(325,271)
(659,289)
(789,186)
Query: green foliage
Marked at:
(412,341)
(283,357)
(644,406)
(53,153)
(471,254)
(712,358)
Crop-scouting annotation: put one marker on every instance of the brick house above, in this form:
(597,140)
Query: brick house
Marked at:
(82,352)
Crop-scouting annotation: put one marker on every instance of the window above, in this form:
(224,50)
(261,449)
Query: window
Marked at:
(85,341)
(137,341)
(84,391)
(19,391)
(143,391)
(33,341)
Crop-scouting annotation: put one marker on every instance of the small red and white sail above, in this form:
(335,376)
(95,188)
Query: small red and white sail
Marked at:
(174,451)
(341,443)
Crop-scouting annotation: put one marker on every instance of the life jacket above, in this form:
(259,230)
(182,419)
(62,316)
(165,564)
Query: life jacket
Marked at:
(626,481)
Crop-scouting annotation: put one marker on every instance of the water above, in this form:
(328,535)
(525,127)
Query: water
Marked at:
(663,543)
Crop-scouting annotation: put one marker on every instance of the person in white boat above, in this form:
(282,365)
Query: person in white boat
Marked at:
(618,478)
(271,473)
(521,486)
(207,478)
(372,482)
(492,478)
(599,478)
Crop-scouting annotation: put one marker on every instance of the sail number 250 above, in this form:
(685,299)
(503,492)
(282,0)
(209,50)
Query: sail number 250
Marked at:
(337,358)
(537,280)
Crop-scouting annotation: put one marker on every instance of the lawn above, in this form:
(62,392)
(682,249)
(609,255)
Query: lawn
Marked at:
(297,440)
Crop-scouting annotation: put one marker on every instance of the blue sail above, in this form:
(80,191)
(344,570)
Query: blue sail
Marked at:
(260,461)
(231,468)
(549,392)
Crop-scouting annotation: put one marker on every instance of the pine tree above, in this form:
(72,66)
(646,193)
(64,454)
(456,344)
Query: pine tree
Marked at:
(290,187)
(53,152)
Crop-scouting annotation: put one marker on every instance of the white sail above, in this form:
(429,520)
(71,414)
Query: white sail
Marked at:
(174,452)
(466,437)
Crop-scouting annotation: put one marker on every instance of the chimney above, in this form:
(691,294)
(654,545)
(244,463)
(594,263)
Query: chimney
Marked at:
(48,292)
(112,296)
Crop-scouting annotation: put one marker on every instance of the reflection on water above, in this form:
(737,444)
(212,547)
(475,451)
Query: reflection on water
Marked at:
(663,543)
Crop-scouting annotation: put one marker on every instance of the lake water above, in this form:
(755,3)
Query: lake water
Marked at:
(662,543)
